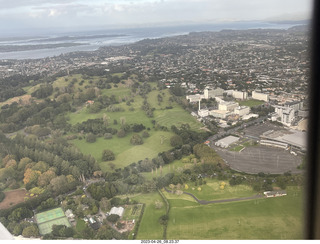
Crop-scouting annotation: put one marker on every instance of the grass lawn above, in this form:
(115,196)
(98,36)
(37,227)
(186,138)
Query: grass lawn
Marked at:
(211,190)
(237,148)
(176,166)
(267,218)
(176,116)
(250,103)
(125,153)
(150,229)
(81,225)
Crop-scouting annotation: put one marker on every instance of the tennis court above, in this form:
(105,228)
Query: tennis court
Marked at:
(49,218)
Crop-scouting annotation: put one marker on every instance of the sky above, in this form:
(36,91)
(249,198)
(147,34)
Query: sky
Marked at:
(31,15)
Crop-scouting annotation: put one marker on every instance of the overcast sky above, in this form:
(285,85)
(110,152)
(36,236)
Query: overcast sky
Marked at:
(17,15)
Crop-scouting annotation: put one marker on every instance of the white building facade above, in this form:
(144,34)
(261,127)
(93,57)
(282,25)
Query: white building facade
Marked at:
(260,96)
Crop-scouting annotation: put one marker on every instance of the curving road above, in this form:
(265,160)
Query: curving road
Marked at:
(204,202)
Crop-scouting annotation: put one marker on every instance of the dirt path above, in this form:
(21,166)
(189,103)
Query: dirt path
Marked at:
(204,202)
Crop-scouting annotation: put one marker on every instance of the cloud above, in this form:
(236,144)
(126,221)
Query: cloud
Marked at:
(42,13)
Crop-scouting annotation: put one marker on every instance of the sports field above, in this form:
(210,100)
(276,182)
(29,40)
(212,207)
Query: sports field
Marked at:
(266,218)
(49,218)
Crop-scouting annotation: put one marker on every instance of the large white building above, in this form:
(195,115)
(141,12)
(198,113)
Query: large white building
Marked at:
(296,105)
(227,141)
(260,96)
(242,110)
(286,114)
(228,106)
(240,95)
(203,112)
(222,114)
(194,98)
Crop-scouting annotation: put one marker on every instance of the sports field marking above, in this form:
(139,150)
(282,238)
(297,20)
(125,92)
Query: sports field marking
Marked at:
(49,218)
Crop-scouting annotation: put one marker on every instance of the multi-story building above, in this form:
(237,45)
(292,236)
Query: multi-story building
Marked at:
(228,106)
(240,95)
(242,110)
(260,96)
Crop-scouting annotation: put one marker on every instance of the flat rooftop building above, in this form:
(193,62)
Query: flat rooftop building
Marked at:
(118,211)
(294,138)
(227,141)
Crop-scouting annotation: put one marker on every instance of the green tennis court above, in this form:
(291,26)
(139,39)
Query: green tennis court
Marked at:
(49,218)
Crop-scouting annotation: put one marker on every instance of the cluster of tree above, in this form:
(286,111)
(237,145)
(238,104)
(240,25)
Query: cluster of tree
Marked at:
(146,107)
(101,190)
(14,117)
(12,86)
(94,126)
(177,90)
(58,232)
(44,91)
(23,228)
(208,155)
(2,196)
(57,154)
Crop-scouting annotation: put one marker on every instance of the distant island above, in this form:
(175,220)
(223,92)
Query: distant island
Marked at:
(17,48)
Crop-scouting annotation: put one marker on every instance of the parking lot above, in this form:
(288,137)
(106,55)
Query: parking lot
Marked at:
(259,158)
(259,129)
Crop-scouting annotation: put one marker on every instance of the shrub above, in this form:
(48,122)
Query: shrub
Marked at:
(2,196)
(91,138)
(108,136)
(107,155)
(113,218)
(136,140)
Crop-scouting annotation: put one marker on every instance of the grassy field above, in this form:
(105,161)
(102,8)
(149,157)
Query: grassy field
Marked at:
(272,218)
(125,153)
(176,166)
(150,227)
(212,191)
(250,103)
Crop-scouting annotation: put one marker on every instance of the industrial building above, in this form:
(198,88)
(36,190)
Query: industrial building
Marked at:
(227,141)
(292,138)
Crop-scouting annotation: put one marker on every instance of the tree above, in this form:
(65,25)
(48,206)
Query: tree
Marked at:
(176,141)
(158,204)
(31,176)
(163,220)
(45,178)
(91,138)
(59,183)
(121,133)
(105,204)
(113,218)
(145,134)
(107,136)
(107,155)
(31,231)
(136,139)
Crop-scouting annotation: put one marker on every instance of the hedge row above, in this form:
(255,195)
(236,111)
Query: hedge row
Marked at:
(136,227)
